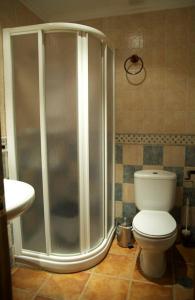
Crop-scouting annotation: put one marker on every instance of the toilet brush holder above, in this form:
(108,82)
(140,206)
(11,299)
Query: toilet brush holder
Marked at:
(186,237)
(186,234)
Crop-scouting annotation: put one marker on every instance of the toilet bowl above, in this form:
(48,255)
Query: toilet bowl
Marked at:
(154,229)
(155,232)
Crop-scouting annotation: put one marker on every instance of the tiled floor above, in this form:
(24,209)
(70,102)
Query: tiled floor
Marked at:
(117,277)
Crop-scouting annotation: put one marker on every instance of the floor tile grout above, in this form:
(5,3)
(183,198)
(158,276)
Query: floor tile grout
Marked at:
(129,290)
(111,276)
(85,287)
(43,283)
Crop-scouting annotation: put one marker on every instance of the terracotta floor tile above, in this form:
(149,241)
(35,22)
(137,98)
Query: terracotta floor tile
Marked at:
(167,278)
(42,298)
(64,286)
(144,291)
(104,288)
(29,279)
(182,293)
(19,294)
(98,283)
(116,265)
(116,249)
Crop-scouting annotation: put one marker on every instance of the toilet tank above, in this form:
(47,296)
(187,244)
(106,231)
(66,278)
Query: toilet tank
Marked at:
(154,189)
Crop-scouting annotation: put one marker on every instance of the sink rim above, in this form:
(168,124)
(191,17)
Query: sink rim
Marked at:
(23,195)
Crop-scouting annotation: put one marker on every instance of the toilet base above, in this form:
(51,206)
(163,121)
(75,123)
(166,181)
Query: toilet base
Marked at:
(153,264)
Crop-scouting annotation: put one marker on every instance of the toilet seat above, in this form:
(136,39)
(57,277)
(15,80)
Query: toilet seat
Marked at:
(154,224)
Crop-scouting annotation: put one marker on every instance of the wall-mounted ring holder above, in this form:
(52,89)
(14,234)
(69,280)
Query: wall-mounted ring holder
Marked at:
(134,68)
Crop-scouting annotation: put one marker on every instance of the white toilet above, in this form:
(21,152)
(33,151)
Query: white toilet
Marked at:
(154,229)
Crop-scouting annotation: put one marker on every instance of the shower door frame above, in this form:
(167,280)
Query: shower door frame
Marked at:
(86,254)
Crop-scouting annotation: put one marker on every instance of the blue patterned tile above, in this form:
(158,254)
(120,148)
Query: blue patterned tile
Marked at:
(189,193)
(128,173)
(190,156)
(129,210)
(153,155)
(118,192)
(179,172)
(119,153)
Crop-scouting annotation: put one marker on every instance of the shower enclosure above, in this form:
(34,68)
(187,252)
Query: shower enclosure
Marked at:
(60,132)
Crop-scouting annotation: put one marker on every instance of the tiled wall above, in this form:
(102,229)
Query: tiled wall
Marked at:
(133,157)
(12,13)
(164,102)
(154,120)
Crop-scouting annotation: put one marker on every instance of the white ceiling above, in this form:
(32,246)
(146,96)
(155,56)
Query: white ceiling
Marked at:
(75,10)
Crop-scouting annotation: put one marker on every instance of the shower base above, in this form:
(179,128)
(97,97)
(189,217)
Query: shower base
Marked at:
(69,263)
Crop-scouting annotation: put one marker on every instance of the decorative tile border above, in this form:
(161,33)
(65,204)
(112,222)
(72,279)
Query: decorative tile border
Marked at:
(130,138)
(163,139)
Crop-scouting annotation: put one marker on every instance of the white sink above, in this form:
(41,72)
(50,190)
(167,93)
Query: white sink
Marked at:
(18,197)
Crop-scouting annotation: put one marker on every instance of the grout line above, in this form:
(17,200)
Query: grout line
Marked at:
(127,255)
(129,289)
(85,287)
(133,270)
(42,284)
(22,290)
(112,276)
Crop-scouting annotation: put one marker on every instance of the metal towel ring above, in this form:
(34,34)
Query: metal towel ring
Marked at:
(133,59)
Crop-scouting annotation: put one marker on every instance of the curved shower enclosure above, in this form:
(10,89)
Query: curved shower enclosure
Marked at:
(60,134)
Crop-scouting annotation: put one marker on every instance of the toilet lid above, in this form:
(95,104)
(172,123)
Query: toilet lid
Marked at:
(154,223)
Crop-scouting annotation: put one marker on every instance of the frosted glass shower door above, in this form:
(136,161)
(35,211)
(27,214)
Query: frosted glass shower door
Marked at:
(96,142)
(110,139)
(61,123)
(27,130)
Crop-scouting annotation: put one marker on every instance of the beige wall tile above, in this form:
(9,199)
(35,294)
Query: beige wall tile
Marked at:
(190,122)
(175,122)
(129,100)
(152,167)
(191,94)
(133,154)
(128,192)
(155,77)
(153,100)
(175,99)
(153,122)
(118,209)
(174,156)
(129,121)
(166,89)
(119,173)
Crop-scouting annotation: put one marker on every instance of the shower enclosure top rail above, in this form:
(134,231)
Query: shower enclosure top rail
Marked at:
(56,27)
